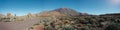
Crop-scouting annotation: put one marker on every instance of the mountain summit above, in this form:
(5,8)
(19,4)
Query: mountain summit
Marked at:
(67,11)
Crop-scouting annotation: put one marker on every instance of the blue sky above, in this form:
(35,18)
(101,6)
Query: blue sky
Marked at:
(22,7)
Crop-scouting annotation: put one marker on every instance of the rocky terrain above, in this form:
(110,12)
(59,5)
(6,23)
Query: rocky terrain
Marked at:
(68,19)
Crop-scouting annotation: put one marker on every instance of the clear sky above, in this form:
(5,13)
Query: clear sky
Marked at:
(22,7)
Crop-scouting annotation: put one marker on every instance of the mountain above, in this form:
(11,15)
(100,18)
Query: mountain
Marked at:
(68,11)
(61,12)
(111,14)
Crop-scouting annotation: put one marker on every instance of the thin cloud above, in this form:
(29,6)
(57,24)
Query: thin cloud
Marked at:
(114,2)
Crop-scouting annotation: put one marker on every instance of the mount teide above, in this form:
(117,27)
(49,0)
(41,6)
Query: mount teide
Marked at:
(68,11)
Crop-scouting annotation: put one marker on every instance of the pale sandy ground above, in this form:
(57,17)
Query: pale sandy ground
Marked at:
(18,25)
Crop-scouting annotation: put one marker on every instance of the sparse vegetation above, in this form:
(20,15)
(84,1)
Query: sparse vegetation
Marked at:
(82,23)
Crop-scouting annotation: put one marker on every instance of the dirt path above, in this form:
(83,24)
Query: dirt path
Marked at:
(18,25)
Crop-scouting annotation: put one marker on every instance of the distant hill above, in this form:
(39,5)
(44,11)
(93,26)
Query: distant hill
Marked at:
(111,14)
